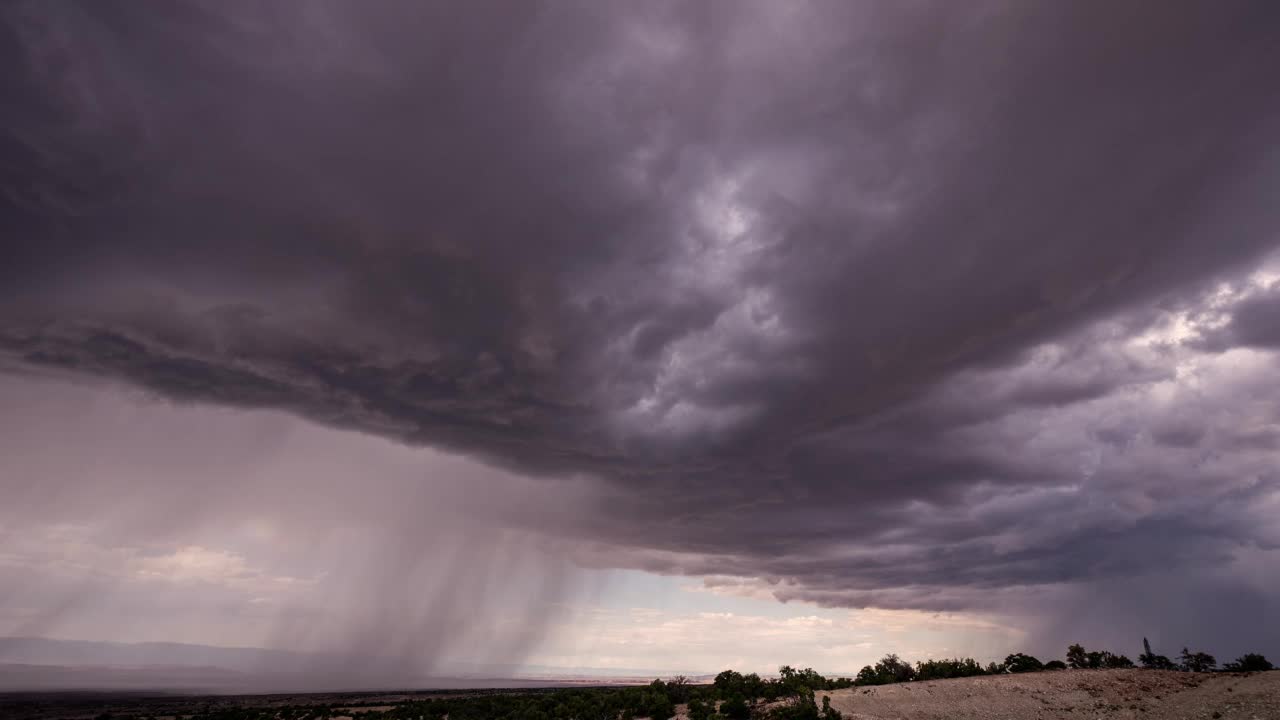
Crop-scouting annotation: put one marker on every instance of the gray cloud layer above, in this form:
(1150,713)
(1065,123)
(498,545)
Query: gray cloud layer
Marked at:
(913,305)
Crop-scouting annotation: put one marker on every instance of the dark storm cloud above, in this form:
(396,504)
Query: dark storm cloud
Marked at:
(1254,322)
(841,295)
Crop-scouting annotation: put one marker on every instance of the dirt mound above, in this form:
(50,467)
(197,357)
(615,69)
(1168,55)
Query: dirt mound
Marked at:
(1070,695)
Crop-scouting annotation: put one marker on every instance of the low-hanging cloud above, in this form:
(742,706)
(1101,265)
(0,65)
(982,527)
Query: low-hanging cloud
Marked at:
(930,305)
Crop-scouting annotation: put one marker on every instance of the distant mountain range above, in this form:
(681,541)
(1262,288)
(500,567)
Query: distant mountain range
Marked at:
(28,663)
(43,651)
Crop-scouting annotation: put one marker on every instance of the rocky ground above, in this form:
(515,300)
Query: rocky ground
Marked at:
(1070,695)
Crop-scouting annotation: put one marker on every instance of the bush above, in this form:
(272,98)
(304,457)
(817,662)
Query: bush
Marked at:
(699,710)
(735,708)
(662,710)
(678,689)
(1020,663)
(1251,662)
(804,708)
(1115,661)
(1079,658)
(890,669)
(941,669)
(1055,665)
(867,676)
(728,682)
(1198,661)
(659,707)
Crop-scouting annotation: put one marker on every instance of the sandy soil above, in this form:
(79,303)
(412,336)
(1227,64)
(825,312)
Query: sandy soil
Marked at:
(1070,695)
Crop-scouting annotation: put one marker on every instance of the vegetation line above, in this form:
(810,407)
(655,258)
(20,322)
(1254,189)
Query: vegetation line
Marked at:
(731,696)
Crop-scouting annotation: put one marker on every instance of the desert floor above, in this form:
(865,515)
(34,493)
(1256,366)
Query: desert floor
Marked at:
(1070,694)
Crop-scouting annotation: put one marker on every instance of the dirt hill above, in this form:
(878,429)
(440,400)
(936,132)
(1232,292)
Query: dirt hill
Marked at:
(1070,695)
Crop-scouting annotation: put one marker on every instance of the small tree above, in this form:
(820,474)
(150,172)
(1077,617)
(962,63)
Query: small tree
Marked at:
(1151,661)
(735,708)
(728,682)
(1198,661)
(1251,662)
(890,669)
(678,689)
(1076,657)
(1116,661)
(866,676)
(1020,663)
(1055,665)
(947,668)
(894,669)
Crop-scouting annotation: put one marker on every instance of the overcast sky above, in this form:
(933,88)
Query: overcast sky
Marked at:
(651,335)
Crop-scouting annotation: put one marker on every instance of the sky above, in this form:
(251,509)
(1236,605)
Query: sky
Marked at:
(669,336)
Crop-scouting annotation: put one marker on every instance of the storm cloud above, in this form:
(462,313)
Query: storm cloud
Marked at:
(945,306)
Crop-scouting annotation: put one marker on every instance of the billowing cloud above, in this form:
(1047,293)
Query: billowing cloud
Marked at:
(934,306)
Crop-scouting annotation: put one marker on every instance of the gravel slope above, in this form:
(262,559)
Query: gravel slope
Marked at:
(1070,695)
